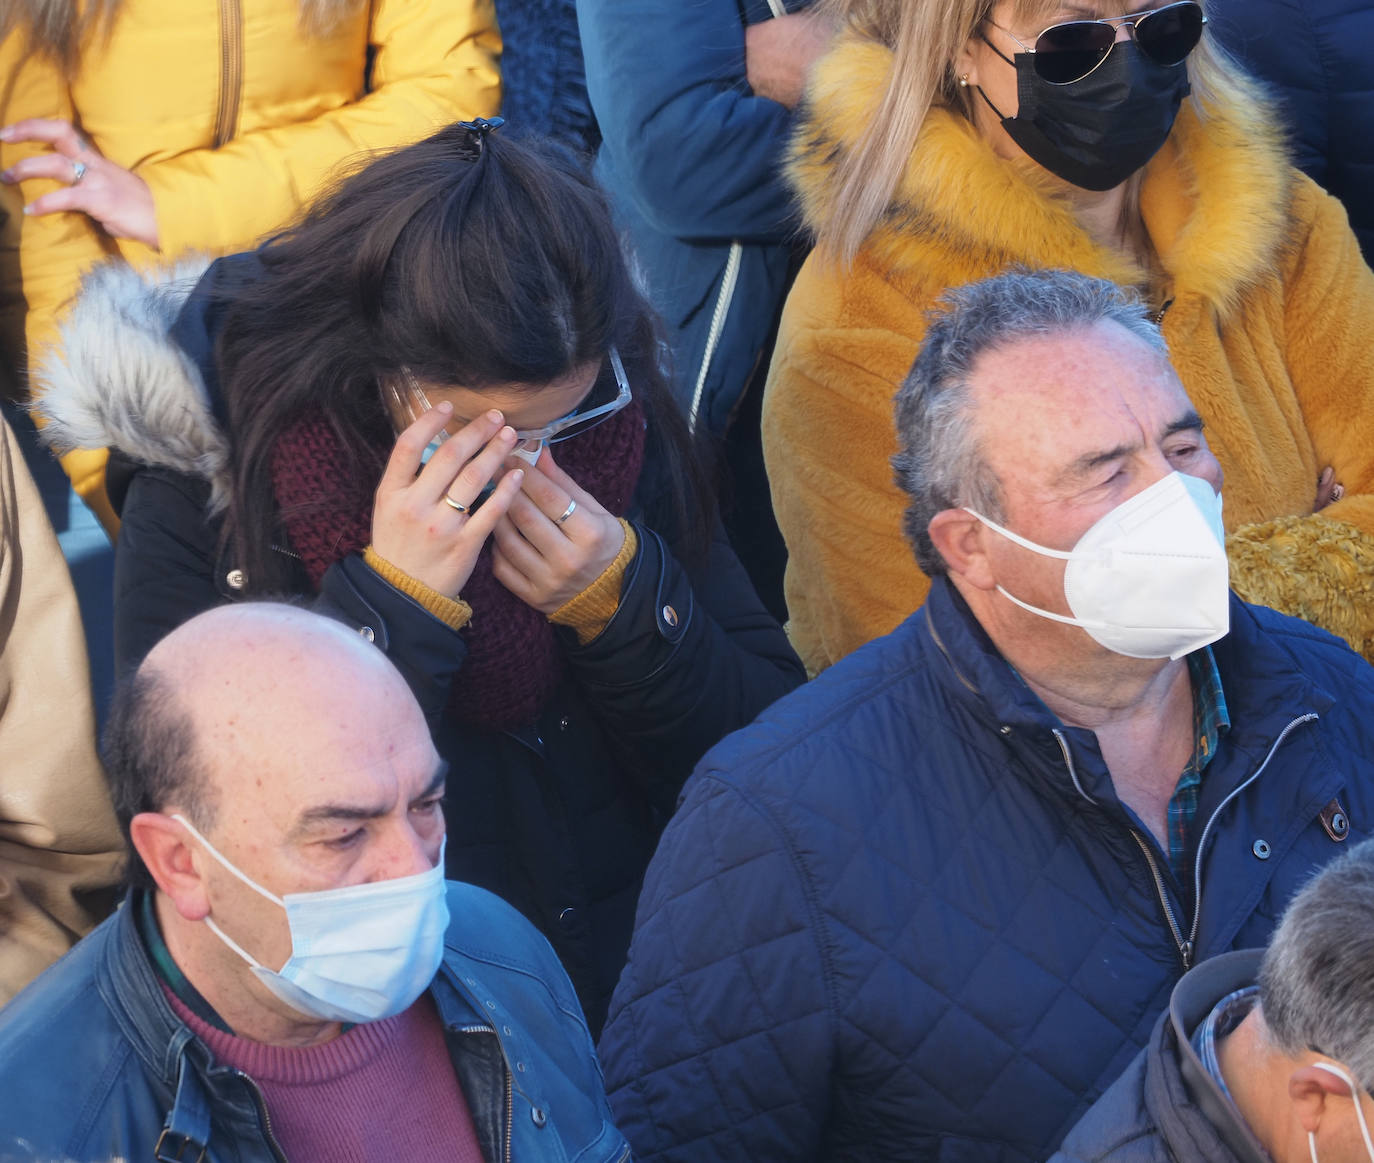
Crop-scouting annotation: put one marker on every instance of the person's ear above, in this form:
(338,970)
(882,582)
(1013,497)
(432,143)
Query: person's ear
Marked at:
(965,68)
(166,850)
(961,540)
(1309,1088)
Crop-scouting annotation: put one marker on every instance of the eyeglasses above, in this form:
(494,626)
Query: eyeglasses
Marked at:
(602,402)
(1068,52)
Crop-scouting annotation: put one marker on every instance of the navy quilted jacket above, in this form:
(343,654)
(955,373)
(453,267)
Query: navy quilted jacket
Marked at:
(904,915)
(1318,56)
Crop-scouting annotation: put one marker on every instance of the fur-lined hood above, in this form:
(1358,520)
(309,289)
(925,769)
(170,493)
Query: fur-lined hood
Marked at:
(1214,198)
(117,379)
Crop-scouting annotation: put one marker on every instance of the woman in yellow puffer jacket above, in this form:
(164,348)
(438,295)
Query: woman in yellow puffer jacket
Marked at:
(148,129)
(934,151)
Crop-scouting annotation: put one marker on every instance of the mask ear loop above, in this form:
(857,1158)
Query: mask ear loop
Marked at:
(1331,1068)
(209,923)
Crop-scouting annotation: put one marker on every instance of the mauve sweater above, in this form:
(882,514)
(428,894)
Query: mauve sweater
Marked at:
(383,1090)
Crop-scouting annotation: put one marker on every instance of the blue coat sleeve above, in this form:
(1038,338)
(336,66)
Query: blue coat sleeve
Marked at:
(689,144)
(719,1044)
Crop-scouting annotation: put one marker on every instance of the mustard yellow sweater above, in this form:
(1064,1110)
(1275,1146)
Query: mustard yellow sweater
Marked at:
(1269,327)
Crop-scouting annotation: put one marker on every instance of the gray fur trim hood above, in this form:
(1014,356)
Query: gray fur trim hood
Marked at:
(116,379)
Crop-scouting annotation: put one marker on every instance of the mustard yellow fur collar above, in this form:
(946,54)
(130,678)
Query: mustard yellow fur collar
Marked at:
(1214,199)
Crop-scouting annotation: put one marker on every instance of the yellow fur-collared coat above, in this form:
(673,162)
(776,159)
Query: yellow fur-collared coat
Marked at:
(1270,324)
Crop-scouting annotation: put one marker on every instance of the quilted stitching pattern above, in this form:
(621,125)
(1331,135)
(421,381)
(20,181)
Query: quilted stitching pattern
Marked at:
(877,929)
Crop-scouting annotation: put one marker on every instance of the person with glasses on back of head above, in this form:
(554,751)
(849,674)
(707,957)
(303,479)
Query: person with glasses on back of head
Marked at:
(437,405)
(1263,1055)
(948,140)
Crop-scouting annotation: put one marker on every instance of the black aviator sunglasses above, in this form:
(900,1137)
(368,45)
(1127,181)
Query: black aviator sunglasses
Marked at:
(1068,52)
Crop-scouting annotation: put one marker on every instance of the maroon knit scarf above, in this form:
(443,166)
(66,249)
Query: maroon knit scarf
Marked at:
(513,663)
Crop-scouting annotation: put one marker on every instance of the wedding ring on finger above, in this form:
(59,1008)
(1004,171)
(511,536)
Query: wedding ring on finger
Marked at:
(78,172)
(458,506)
(568,512)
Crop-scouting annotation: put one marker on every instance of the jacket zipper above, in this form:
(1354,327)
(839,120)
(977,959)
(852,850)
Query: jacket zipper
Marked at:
(722,309)
(1311,716)
(510,1085)
(1159,315)
(262,1114)
(1186,945)
(510,1109)
(230,70)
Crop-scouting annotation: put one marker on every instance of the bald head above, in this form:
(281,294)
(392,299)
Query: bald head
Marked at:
(258,673)
(253,709)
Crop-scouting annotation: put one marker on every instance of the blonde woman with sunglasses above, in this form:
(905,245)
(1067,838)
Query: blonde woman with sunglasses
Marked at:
(947,140)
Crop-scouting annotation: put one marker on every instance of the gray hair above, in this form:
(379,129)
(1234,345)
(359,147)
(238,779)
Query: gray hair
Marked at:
(939,464)
(1316,984)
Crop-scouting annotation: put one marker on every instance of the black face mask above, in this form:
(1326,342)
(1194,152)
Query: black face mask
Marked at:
(1095,133)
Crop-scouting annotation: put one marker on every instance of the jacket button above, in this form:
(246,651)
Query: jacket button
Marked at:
(538,1117)
(568,918)
(670,616)
(1339,824)
(1004,730)
(368,633)
(236,579)
(1261,849)
(563,723)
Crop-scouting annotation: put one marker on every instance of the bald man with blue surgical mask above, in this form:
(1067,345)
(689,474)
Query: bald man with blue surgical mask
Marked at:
(290,975)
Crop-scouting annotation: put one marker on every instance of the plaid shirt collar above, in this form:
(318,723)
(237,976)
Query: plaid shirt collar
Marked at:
(1210,720)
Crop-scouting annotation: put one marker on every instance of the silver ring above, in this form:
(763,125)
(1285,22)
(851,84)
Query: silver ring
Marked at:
(78,172)
(456,505)
(568,512)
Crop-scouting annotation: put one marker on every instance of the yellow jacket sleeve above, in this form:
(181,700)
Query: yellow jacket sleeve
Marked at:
(1321,567)
(828,440)
(435,62)
(54,249)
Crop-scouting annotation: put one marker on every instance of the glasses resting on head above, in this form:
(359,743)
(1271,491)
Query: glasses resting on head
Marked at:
(608,395)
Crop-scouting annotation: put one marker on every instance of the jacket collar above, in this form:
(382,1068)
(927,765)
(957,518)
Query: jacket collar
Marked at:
(1193,999)
(1214,198)
(1264,683)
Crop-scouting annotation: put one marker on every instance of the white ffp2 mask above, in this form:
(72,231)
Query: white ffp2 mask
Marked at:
(1149,579)
(358,953)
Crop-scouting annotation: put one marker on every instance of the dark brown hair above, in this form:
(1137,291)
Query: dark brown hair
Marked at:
(470,258)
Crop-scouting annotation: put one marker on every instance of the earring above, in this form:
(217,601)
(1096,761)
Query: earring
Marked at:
(963,81)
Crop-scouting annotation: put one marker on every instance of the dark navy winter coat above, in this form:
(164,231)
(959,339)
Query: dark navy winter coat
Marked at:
(904,915)
(1318,57)
(692,161)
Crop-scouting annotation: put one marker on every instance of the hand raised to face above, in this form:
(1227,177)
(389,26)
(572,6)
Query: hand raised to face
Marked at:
(423,518)
(554,540)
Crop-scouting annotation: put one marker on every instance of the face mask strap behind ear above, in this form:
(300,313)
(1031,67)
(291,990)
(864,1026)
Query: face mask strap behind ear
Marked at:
(1025,543)
(209,923)
(1331,1068)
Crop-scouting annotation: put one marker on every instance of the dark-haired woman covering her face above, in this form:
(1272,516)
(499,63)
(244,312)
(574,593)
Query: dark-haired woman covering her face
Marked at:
(534,549)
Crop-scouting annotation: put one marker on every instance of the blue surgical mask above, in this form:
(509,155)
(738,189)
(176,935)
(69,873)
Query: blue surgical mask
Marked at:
(358,953)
